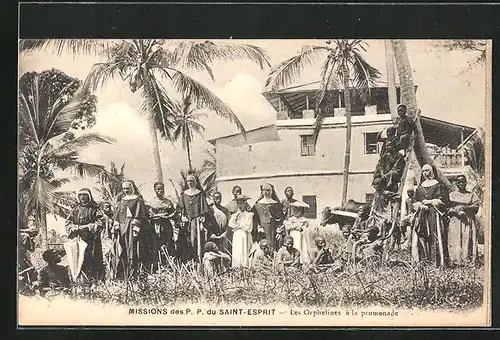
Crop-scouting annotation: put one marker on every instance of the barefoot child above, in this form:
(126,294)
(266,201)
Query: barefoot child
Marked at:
(288,256)
(322,257)
(213,259)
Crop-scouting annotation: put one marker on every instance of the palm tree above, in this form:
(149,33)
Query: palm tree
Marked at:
(49,104)
(110,183)
(344,67)
(186,122)
(209,170)
(143,61)
(408,98)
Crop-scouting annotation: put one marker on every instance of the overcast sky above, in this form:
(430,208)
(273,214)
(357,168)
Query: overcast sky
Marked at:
(445,91)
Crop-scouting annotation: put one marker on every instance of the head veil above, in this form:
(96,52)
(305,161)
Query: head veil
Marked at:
(197,179)
(134,188)
(433,173)
(274,195)
(86,191)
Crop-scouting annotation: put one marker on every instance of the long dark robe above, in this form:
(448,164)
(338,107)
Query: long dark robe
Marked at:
(163,228)
(134,251)
(269,217)
(193,207)
(220,222)
(429,239)
(86,217)
(462,231)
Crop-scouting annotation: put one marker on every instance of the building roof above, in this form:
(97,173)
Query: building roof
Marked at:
(213,140)
(294,98)
(436,131)
(443,133)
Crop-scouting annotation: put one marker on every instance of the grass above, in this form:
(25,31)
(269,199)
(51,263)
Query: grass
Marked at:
(395,283)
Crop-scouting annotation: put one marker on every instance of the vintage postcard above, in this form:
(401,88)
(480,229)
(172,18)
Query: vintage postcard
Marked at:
(254,182)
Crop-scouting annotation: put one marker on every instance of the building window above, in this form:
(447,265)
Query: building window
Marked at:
(310,212)
(369,198)
(371,143)
(307,147)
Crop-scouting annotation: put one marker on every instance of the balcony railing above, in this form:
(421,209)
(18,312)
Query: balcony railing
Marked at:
(448,159)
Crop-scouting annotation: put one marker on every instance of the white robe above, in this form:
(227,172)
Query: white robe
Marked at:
(292,225)
(241,222)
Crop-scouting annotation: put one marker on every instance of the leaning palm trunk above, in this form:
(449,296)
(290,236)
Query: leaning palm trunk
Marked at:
(152,127)
(409,98)
(347,155)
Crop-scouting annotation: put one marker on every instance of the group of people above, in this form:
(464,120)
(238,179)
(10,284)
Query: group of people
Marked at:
(136,235)
(443,224)
(389,169)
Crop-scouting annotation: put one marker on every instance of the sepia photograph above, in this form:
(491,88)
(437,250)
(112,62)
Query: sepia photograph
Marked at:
(342,182)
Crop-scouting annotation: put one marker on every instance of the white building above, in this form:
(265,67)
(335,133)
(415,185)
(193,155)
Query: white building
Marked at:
(284,154)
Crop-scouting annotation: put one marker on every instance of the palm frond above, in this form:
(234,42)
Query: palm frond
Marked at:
(78,143)
(203,97)
(63,118)
(101,73)
(329,81)
(75,46)
(289,70)
(200,56)
(164,108)
(27,128)
(364,75)
(82,169)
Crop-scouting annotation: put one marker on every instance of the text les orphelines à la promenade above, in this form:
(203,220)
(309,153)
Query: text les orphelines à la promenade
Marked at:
(308,312)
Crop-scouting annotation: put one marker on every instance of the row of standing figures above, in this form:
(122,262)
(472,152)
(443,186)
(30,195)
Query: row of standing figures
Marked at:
(137,237)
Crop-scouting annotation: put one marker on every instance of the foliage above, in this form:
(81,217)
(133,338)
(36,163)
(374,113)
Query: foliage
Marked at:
(142,62)
(209,169)
(478,46)
(395,284)
(338,56)
(110,183)
(186,124)
(50,103)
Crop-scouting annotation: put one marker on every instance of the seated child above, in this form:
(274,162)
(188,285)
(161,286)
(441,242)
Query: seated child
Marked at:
(322,257)
(213,259)
(288,256)
(263,257)
(53,276)
(365,237)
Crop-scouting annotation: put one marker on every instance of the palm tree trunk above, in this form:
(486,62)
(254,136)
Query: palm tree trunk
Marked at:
(189,156)
(347,155)
(409,99)
(152,128)
(391,80)
(43,230)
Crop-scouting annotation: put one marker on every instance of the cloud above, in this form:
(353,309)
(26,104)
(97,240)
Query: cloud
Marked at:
(243,94)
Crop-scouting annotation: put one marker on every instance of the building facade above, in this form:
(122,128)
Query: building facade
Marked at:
(284,154)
